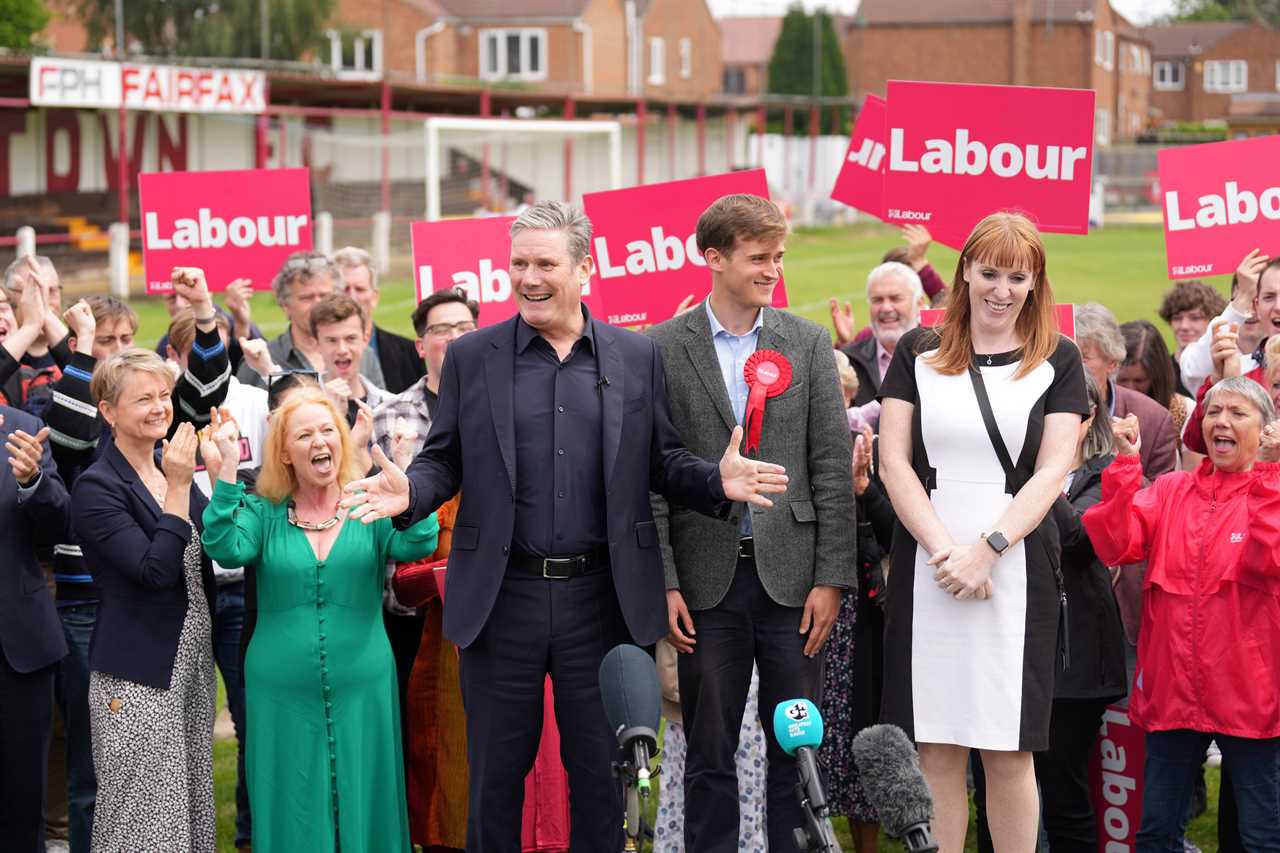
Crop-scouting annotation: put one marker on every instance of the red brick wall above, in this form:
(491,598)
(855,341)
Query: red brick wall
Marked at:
(672,20)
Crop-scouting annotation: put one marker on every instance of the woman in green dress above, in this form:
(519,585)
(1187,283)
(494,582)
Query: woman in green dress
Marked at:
(323,759)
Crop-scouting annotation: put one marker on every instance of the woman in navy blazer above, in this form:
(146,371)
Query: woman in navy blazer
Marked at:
(151,688)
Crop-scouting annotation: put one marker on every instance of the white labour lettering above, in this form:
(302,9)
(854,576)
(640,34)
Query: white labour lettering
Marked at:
(1234,207)
(660,253)
(972,157)
(214,232)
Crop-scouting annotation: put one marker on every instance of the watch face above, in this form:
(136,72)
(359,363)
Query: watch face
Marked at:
(998,542)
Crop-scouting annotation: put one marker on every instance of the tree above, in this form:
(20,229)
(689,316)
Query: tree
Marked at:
(1265,11)
(791,66)
(212,28)
(19,21)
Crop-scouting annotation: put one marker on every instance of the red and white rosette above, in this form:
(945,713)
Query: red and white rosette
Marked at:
(768,374)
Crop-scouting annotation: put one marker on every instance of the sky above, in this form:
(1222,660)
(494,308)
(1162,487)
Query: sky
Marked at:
(1137,11)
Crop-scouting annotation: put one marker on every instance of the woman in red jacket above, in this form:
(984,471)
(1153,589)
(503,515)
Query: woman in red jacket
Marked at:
(1209,648)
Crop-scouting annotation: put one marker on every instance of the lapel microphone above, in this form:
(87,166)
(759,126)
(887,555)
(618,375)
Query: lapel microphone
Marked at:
(602,382)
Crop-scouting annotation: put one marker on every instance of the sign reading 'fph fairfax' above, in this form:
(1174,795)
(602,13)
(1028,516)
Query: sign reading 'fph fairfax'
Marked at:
(138,86)
(1221,201)
(241,224)
(958,152)
(860,183)
(646,251)
(475,255)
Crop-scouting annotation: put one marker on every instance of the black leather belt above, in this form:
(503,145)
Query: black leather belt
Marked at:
(747,548)
(559,568)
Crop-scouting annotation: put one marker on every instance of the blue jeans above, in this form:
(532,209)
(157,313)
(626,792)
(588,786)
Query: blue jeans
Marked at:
(72,690)
(1174,757)
(228,622)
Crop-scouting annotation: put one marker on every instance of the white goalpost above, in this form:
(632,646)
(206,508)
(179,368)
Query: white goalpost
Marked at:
(537,142)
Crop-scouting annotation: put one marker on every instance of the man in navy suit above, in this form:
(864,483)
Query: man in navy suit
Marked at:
(556,427)
(33,512)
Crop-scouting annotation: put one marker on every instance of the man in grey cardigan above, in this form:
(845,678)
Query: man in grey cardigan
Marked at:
(763,586)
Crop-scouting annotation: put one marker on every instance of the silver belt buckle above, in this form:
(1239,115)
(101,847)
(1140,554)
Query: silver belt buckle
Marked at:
(742,551)
(548,562)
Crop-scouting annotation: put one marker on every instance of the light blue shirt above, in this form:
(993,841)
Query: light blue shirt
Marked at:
(732,351)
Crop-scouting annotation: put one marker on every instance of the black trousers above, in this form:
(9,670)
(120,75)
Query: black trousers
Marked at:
(746,627)
(26,719)
(540,627)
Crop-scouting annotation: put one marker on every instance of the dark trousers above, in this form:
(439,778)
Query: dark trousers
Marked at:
(228,623)
(540,627)
(1174,758)
(1063,773)
(746,627)
(404,633)
(26,717)
(72,690)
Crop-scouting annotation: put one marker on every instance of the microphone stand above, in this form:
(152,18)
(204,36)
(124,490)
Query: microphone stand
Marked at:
(817,835)
(639,746)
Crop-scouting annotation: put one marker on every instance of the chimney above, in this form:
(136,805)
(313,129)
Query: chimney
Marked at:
(1022,42)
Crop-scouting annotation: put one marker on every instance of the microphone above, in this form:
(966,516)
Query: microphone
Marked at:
(633,706)
(890,773)
(602,382)
(797,726)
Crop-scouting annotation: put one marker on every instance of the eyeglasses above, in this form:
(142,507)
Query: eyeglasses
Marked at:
(316,260)
(440,330)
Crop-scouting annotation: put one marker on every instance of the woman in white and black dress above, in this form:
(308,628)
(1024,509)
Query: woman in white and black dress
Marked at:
(974,592)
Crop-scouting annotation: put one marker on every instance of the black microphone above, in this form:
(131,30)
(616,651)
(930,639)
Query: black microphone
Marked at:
(890,773)
(602,382)
(633,706)
(797,726)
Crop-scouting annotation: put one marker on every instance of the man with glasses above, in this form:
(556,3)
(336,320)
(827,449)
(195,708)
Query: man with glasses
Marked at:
(303,280)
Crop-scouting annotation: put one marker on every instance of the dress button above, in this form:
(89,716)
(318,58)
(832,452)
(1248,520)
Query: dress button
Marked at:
(560,452)
(560,409)
(328,705)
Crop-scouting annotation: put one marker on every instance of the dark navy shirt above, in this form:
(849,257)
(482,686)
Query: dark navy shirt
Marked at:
(559,449)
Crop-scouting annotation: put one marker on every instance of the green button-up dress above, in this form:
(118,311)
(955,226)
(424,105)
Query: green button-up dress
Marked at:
(323,757)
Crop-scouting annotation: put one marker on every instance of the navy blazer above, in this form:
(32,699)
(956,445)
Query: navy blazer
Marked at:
(30,633)
(134,552)
(471,447)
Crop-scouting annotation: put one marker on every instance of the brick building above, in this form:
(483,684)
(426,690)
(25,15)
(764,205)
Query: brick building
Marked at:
(746,46)
(1211,70)
(1082,44)
(658,48)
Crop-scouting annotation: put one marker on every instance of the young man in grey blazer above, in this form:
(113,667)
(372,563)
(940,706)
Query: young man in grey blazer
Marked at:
(763,586)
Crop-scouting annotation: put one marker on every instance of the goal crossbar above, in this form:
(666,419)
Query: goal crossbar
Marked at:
(562,127)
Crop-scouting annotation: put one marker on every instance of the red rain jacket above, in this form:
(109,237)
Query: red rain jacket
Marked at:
(1209,648)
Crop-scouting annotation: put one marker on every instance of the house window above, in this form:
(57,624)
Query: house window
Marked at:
(1278,75)
(1102,126)
(1226,75)
(518,54)
(1104,49)
(657,61)
(686,58)
(1169,76)
(735,81)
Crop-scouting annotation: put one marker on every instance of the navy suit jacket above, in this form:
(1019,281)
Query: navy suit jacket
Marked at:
(471,447)
(134,551)
(30,633)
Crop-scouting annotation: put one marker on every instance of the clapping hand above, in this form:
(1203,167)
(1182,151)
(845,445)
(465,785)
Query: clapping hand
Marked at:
(384,495)
(220,445)
(79,318)
(1269,450)
(31,302)
(918,240)
(747,480)
(842,321)
(1126,433)
(964,571)
(1247,275)
(179,459)
(24,453)
(236,298)
(1225,350)
(862,460)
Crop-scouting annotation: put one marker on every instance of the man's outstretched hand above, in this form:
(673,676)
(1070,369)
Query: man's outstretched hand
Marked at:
(384,495)
(746,479)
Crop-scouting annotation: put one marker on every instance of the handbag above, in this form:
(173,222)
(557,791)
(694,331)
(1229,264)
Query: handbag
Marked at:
(1013,484)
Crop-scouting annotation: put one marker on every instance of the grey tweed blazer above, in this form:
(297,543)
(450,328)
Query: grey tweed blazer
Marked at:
(807,538)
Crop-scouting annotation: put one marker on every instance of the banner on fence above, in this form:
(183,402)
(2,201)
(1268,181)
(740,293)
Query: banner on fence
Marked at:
(645,248)
(233,224)
(860,183)
(473,254)
(958,152)
(1221,201)
(58,82)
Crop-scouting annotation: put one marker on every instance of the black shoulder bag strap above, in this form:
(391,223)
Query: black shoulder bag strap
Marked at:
(1013,484)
